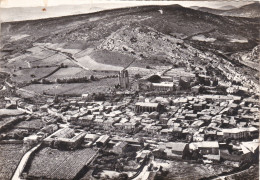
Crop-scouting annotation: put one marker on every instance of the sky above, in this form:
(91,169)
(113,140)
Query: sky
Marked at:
(33,9)
(35,3)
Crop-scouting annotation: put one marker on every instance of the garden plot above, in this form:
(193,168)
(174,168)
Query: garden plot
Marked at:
(10,157)
(55,164)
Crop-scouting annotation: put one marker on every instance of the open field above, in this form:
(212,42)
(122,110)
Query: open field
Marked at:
(26,75)
(77,72)
(10,155)
(54,60)
(56,164)
(74,88)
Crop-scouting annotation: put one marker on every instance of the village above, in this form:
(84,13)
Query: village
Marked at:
(138,129)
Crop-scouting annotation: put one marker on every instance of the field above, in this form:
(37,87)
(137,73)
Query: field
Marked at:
(74,88)
(85,60)
(25,75)
(77,72)
(118,59)
(10,155)
(55,164)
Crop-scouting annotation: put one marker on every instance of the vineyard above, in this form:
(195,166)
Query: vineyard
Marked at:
(10,155)
(54,164)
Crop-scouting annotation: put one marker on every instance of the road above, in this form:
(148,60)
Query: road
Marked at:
(22,163)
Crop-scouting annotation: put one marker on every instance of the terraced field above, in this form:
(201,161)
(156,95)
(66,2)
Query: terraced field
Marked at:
(54,164)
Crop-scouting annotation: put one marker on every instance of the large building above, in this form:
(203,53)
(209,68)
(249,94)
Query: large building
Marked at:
(65,139)
(163,86)
(147,107)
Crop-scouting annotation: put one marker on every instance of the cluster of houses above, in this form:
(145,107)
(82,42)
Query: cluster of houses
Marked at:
(177,126)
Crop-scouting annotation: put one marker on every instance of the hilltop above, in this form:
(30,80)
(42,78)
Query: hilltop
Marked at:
(250,11)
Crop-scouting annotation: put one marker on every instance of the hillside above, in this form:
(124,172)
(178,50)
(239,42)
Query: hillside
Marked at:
(85,30)
(109,40)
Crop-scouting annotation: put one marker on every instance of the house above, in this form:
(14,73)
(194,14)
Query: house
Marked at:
(44,108)
(234,133)
(153,129)
(166,132)
(177,150)
(141,155)
(89,139)
(198,137)
(198,123)
(99,122)
(191,116)
(130,125)
(50,128)
(102,140)
(120,147)
(31,140)
(208,149)
(180,101)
